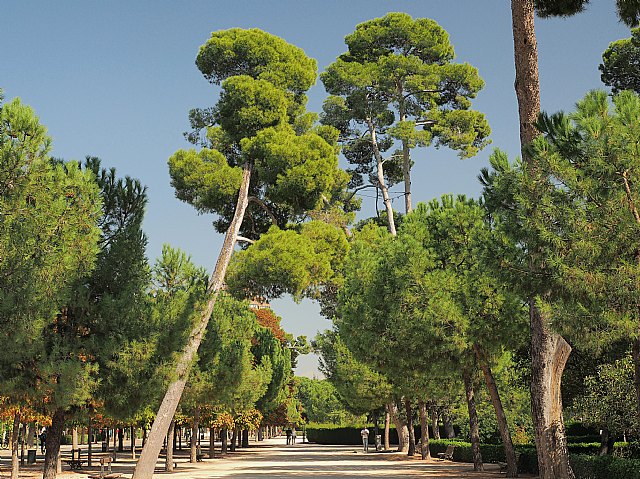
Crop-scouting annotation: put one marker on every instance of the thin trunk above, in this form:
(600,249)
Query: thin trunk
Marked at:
(15,437)
(505,435)
(387,427)
(168,461)
(406,157)
(212,443)
(412,433)
(149,456)
(636,365)
(115,438)
(193,449)
(31,435)
(474,430)
(434,422)
(89,444)
(401,427)
(133,442)
(54,435)
(448,425)
(234,440)
(381,182)
(224,435)
(549,354)
(74,442)
(120,439)
(425,453)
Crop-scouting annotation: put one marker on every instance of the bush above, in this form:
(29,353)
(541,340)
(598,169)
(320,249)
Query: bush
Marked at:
(344,436)
(604,467)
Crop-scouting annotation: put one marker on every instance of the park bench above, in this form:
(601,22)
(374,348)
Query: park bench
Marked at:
(105,460)
(448,454)
(74,461)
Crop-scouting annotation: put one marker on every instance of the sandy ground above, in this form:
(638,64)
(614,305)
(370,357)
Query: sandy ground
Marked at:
(272,459)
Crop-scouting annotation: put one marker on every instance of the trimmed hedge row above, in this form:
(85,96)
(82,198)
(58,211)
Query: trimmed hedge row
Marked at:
(350,436)
(605,467)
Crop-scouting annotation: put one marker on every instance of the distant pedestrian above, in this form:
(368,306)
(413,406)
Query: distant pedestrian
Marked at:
(43,438)
(365,439)
(288,432)
(293,435)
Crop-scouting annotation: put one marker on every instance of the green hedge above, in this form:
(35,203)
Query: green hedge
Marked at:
(350,436)
(605,467)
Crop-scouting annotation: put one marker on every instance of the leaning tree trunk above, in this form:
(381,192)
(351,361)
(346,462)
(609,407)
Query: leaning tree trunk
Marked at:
(15,435)
(505,435)
(54,435)
(382,185)
(424,431)
(387,421)
(193,450)
(474,430)
(168,462)
(549,354)
(412,433)
(401,428)
(149,455)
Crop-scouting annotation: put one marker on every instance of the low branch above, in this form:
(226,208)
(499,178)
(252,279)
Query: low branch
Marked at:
(245,240)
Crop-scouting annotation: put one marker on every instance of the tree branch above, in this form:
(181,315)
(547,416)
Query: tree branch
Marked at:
(265,208)
(246,240)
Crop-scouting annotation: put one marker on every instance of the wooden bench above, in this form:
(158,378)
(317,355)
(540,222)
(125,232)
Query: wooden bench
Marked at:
(74,461)
(105,460)
(448,454)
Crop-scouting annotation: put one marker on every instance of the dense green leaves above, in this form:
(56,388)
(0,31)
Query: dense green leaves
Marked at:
(621,64)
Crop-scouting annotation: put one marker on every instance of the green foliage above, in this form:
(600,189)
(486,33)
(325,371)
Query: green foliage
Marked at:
(628,10)
(604,467)
(620,62)
(321,402)
(610,401)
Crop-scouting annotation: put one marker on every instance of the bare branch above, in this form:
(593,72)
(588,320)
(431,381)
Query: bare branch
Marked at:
(265,208)
(245,240)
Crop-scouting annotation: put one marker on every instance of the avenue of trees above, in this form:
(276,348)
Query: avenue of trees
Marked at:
(461,310)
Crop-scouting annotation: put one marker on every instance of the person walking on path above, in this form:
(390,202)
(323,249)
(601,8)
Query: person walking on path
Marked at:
(288,432)
(293,435)
(365,439)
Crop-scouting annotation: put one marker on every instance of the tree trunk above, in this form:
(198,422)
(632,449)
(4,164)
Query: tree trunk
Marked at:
(212,444)
(74,442)
(382,185)
(425,453)
(54,435)
(89,444)
(606,443)
(234,439)
(527,83)
(474,430)
(149,456)
(387,424)
(245,438)
(635,352)
(224,436)
(115,438)
(31,435)
(505,435)
(15,439)
(401,427)
(449,431)
(133,442)
(549,354)
(406,158)
(412,433)
(168,461)
(120,439)
(193,449)
(434,422)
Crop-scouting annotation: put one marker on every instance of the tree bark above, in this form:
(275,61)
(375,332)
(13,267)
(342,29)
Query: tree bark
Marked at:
(449,431)
(15,439)
(74,442)
(434,423)
(412,433)
(387,424)
(406,156)
(54,435)
(234,439)
(425,453)
(115,449)
(120,439)
(224,436)
(168,461)
(503,426)
(401,427)
(474,430)
(31,435)
(212,444)
(89,444)
(149,456)
(133,442)
(382,185)
(193,450)
(245,438)
(549,354)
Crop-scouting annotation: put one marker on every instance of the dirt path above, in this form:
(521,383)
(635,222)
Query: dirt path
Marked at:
(274,460)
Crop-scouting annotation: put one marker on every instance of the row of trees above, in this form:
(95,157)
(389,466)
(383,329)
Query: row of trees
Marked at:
(92,331)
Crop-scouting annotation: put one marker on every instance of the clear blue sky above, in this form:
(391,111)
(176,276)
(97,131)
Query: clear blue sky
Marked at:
(116,79)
